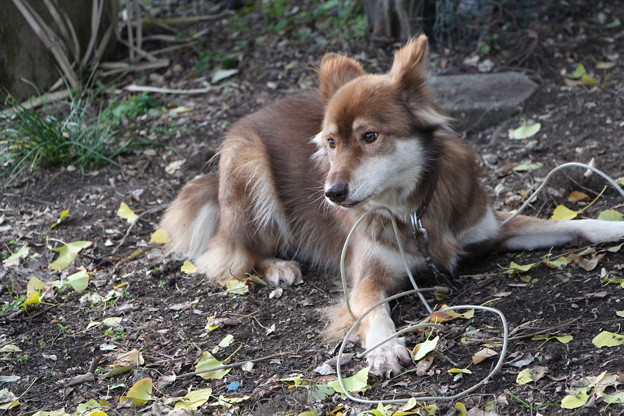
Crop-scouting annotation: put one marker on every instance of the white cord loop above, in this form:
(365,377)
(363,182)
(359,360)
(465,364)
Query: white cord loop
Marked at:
(421,235)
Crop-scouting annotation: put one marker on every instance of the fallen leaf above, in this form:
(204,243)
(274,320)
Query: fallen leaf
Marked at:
(514,267)
(127,213)
(579,71)
(605,65)
(17,256)
(483,355)
(112,322)
(574,402)
(172,167)
(608,339)
(68,254)
(531,375)
(8,400)
(208,362)
(424,348)
(140,393)
(356,383)
(222,74)
(611,215)
(60,219)
(563,213)
(525,131)
(527,166)
(34,285)
(159,236)
(236,287)
(9,348)
(564,339)
(459,371)
(577,196)
(188,267)
(587,79)
(193,400)
(79,280)
(132,358)
(224,343)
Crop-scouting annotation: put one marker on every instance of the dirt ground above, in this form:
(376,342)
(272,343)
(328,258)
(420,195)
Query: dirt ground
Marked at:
(164,311)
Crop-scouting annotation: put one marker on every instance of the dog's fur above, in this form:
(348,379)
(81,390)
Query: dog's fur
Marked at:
(294,177)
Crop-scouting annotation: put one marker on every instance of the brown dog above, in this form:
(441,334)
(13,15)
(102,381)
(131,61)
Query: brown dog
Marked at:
(294,177)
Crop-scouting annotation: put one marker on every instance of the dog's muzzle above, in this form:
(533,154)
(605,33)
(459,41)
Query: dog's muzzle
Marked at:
(338,192)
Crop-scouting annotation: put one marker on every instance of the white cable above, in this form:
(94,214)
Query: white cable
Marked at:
(499,363)
(358,320)
(565,165)
(343,256)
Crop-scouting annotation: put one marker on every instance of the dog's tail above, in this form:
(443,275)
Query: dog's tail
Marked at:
(524,233)
(193,217)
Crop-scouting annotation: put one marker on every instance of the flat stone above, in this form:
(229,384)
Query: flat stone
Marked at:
(481,100)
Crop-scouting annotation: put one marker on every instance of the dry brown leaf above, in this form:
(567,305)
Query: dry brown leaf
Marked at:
(577,196)
(131,358)
(483,355)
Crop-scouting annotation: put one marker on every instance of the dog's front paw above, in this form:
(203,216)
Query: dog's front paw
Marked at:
(281,272)
(386,360)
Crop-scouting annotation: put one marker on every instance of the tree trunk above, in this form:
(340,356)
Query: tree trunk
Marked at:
(388,19)
(23,55)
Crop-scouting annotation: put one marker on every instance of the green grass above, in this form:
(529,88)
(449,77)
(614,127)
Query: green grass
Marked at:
(332,18)
(71,133)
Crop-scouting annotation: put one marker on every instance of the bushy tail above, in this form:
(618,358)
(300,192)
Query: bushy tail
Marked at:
(522,233)
(193,217)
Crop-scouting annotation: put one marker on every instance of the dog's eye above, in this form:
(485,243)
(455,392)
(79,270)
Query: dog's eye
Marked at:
(332,143)
(370,136)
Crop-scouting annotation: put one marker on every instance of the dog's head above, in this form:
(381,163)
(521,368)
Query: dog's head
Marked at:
(378,129)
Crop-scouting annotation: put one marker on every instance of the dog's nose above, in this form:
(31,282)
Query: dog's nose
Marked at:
(337,192)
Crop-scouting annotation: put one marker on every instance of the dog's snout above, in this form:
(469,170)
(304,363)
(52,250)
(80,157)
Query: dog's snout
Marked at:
(337,192)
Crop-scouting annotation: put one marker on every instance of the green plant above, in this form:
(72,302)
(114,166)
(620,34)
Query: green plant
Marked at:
(71,133)
(11,306)
(129,109)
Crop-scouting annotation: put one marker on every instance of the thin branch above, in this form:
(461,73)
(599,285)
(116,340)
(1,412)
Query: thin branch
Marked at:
(140,88)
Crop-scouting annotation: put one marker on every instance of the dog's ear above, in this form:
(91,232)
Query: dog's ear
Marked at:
(409,70)
(335,71)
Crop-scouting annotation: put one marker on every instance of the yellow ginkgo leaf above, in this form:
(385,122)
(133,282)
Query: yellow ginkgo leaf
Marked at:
(67,254)
(563,213)
(608,339)
(188,267)
(208,362)
(79,280)
(126,213)
(15,258)
(60,218)
(32,299)
(140,393)
(424,348)
(574,402)
(194,399)
(34,285)
(160,236)
(357,382)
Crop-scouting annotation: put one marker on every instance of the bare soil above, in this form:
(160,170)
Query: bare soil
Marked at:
(165,310)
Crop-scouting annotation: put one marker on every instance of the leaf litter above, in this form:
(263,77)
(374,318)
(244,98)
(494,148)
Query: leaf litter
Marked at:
(172,339)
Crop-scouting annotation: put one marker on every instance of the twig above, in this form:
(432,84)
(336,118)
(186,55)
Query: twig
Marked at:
(183,20)
(149,211)
(139,88)
(239,364)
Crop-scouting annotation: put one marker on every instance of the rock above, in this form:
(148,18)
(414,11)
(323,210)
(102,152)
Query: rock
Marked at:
(481,100)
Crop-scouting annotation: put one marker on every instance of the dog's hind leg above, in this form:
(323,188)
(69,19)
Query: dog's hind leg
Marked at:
(192,218)
(252,226)
(523,233)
